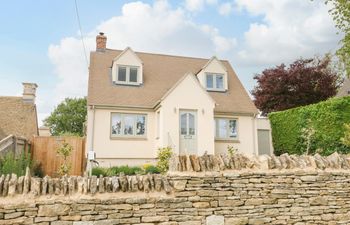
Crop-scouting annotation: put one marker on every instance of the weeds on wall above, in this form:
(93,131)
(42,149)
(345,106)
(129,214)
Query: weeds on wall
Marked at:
(231,150)
(164,155)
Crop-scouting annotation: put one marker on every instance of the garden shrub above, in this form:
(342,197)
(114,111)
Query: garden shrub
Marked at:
(317,127)
(10,163)
(164,155)
(97,171)
(149,168)
(126,170)
(346,139)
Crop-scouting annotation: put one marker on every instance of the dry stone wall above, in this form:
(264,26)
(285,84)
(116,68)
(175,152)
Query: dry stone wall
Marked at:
(10,185)
(207,198)
(239,161)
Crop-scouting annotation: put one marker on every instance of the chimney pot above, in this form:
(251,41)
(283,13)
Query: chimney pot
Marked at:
(101,42)
(29,91)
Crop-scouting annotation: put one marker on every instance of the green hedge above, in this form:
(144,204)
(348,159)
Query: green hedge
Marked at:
(327,118)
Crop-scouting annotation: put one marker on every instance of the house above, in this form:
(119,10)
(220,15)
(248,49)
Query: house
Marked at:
(345,89)
(139,102)
(18,117)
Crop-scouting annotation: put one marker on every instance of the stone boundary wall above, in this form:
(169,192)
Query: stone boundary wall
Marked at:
(299,197)
(238,161)
(11,186)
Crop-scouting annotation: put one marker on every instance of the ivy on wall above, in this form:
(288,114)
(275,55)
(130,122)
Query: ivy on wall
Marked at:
(325,120)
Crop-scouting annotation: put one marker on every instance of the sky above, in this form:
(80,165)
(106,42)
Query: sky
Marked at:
(40,40)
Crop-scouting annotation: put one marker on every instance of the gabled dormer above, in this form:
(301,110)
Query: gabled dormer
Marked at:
(213,76)
(127,68)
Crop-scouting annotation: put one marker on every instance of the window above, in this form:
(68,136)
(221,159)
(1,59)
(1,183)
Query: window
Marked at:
(128,125)
(226,128)
(210,81)
(122,73)
(127,75)
(215,81)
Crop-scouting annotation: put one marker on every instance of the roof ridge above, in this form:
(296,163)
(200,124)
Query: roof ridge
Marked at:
(162,54)
(5,96)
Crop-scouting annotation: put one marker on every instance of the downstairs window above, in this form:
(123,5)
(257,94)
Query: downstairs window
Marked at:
(128,125)
(226,128)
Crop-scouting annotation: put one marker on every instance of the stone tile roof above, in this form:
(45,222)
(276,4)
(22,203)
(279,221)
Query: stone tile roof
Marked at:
(17,118)
(160,73)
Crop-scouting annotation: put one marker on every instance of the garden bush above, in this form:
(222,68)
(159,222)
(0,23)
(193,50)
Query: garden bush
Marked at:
(97,171)
(127,170)
(10,163)
(317,127)
(149,168)
(164,155)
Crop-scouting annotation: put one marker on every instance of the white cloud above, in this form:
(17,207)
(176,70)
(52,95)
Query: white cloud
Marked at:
(198,5)
(290,29)
(144,27)
(225,8)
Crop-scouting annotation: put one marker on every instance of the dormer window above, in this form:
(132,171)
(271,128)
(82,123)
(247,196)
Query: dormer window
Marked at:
(127,69)
(127,75)
(215,81)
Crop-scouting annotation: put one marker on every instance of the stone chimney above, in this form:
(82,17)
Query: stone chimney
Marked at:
(101,42)
(29,90)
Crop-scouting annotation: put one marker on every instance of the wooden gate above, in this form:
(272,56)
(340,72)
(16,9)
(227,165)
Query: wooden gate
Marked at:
(44,151)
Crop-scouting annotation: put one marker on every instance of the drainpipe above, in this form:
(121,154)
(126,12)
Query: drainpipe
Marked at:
(255,146)
(91,153)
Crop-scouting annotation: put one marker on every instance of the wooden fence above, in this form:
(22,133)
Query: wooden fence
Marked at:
(16,145)
(44,151)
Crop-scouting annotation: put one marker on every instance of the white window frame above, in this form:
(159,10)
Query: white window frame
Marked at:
(227,119)
(214,88)
(127,79)
(122,135)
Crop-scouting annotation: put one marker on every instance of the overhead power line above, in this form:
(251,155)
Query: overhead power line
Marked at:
(81,32)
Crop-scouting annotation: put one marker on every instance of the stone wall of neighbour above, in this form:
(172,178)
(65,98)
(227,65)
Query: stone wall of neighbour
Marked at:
(238,161)
(207,198)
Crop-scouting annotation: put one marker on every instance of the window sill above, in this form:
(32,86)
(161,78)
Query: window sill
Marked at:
(127,84)
(217,90)
(129,138)
(227,140)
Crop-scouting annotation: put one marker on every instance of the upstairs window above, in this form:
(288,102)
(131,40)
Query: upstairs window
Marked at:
(128,75)
(215,81)
(226,128)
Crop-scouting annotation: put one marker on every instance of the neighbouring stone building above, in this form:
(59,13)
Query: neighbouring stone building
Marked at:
(18,115)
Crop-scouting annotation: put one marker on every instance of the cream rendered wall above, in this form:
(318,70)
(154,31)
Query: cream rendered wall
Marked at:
(122,151)
(188,95)
(247,140)
(263,123)
(127,58)
(214,66)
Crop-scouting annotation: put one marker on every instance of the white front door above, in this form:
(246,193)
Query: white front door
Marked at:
(188,132)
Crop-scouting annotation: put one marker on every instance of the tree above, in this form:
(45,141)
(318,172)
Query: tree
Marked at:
(68,117)
(341,15)
(304,82)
